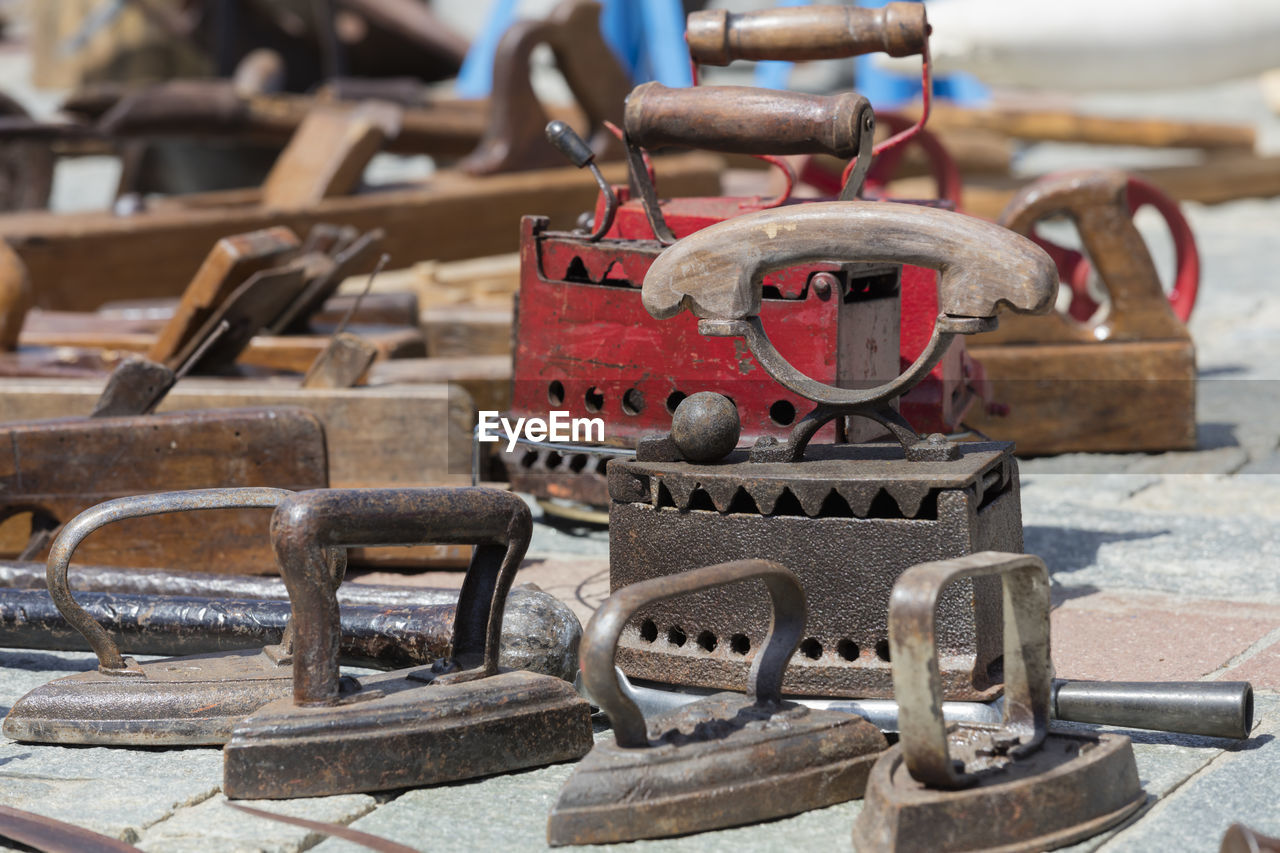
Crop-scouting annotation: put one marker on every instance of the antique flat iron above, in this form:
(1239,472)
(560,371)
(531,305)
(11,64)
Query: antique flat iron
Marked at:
(724,760)
(849,517)
(458,718)
(1014,786)
(183,701)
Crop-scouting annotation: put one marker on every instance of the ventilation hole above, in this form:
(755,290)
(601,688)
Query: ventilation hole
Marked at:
(578,462)
(601,464)
(577,272)
(633,401)
(847,649)
(530,457)
(707,641)
(593,399)
(648,631)
(882,649)
(739,644)
(553,460)
(811,648)
(675,398)
(555,393)
(788,504)
(743,503)
(701,500)
(782,413)
(884,506)
(676,636)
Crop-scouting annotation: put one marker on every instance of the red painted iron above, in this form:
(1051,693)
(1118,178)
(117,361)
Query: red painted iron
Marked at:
(724,760)
(584,344)
(458,718)
(182,701)
(1015,786)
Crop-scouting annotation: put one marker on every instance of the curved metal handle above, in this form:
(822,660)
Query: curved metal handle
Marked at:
(746,120)
(717,272)
(74,532)
(913,648)
(498,523)
(803,33)
(764,682)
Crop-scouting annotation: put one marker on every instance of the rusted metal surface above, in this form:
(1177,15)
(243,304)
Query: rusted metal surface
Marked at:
(1015,786)
(800,34)
(540,634)
(56,469)
(191,700)
(458,718)
(55,836)
(135,387)
(850,519)
(722,761)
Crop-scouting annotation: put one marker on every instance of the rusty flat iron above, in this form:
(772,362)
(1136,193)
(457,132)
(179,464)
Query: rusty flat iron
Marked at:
(849,516)
(724,760)
(1015,786)
(176,701)
(458,718)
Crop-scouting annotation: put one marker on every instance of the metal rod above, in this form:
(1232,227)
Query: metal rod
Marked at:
(1214,709)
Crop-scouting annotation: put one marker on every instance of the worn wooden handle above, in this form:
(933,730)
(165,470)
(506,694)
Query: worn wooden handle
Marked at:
(717,272)
(743,120)
(801,33)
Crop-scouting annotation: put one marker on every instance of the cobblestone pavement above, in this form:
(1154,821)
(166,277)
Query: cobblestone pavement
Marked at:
(1164,567)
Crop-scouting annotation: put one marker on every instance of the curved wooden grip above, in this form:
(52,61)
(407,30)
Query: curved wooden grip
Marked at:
(717,272)
(1095,200)
(744,120)
(801,33)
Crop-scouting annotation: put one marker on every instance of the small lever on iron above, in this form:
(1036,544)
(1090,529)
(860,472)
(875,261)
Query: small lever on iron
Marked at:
(567,141)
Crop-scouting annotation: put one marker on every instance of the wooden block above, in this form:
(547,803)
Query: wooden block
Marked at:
(60,468)
(15,296)
(1109,397)
(328,153)
(230,264)
(487,378)
(393,435)
(79,261)
(462,330)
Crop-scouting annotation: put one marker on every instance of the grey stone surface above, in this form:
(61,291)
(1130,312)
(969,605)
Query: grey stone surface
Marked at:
(213,825)
(1240,785)
(1227,557)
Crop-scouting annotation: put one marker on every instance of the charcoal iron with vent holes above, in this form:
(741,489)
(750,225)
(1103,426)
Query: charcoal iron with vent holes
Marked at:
(723,760)
(850,518)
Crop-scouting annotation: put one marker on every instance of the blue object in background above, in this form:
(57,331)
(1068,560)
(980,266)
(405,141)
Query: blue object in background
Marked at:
(646,35)
(890,90)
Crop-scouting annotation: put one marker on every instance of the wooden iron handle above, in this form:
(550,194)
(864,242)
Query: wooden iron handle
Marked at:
(798,34)
(744,120)
(717,272)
